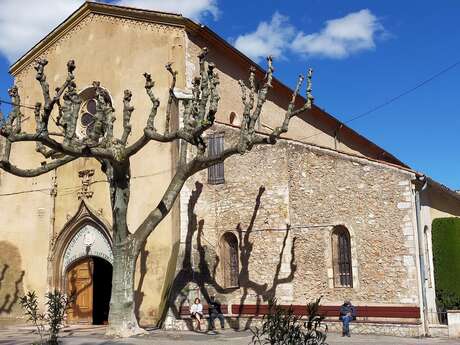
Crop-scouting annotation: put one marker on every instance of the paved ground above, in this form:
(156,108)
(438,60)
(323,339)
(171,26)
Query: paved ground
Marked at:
(94,336)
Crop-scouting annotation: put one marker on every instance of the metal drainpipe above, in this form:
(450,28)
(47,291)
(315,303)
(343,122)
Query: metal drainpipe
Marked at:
(421,255)
(51,234)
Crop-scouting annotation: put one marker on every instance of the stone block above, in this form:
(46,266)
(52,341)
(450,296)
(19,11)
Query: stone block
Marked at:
(453,321)
(408,260)
(404,205)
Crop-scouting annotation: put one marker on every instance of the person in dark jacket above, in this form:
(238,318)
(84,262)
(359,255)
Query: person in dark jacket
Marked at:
(215,312)
(347,314)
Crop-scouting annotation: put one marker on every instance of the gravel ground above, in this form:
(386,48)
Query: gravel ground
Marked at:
(95,336)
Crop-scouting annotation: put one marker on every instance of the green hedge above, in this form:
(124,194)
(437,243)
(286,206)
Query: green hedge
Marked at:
(446,256)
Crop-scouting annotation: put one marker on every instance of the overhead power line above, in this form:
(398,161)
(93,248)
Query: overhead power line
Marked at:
(21,105)
(393,99)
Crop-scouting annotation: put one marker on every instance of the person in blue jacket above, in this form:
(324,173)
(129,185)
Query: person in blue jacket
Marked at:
(215,312)
(347,314)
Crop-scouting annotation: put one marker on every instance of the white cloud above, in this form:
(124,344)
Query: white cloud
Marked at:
(269,38)
(24,22)
(341,37)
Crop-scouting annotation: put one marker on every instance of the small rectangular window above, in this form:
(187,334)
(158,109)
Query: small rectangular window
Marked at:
(215,147)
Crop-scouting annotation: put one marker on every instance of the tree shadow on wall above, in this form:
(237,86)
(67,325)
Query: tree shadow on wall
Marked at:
(11,278)
(266,291)
(204,273)
(138,293)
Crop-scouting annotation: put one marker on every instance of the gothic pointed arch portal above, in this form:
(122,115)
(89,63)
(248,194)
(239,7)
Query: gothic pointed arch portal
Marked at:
(81,264)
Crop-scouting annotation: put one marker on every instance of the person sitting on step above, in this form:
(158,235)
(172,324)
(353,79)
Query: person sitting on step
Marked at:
(347,314)
(215,312)
(196,311)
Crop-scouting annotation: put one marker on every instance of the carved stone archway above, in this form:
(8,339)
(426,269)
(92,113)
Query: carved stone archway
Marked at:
(84,221)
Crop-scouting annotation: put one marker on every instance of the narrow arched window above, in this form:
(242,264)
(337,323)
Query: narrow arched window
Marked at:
(229,260)
(341,256)
(232,117)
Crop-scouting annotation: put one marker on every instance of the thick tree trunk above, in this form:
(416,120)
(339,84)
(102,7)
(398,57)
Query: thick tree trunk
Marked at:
(122,320)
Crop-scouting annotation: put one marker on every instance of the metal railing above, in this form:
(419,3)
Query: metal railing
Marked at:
(437,317)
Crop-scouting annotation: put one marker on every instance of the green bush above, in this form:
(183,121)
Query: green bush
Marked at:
(56,306)
(29,303)
(447,300)
(282,327)
(446,256)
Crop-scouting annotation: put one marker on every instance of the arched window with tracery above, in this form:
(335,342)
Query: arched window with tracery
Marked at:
(229,260)
(341,257)
(88,119)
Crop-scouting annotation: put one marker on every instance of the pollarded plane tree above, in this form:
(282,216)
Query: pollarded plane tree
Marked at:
(114,153)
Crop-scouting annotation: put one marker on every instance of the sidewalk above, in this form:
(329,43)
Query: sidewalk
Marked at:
(94,335)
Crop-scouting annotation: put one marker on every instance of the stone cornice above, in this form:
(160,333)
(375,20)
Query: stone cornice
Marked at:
(337,153)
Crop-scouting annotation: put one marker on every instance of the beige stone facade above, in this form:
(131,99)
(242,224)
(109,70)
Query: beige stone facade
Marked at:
(282,202)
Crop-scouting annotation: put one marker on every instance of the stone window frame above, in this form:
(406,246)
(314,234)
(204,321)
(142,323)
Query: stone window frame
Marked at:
(354,257)
(229,279)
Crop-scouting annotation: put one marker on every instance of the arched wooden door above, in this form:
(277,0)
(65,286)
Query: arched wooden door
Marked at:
(80,285)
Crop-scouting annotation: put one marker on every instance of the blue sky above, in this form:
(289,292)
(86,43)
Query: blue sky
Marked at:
(363,52)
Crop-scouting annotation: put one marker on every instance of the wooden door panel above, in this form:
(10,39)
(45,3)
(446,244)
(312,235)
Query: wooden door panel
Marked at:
(80,285)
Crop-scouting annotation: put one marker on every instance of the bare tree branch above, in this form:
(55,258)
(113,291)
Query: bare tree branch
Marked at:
(164,206)
(46,167)
(15,117)
(13,122)
(39,146)
(149,84)
(199,113)
(103,119)
(41,77)
(50,102)
(171,98)
(127,111)
(202,87)
(290,113)
(47,153)
(68,113)
(183,153)
(80,150)
(11,129)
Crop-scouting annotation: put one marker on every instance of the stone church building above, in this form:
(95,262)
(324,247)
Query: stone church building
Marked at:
(325,212)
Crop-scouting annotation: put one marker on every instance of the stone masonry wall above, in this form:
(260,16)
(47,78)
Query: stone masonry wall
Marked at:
(374,202)
(311,189)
